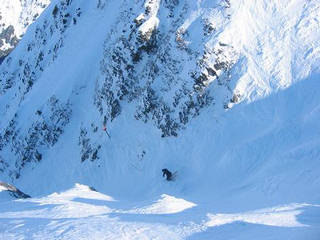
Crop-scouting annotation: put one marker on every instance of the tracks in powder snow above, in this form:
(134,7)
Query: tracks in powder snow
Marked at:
(81,213)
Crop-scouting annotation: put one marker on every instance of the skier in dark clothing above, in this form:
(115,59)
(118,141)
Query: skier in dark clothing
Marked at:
(167,173)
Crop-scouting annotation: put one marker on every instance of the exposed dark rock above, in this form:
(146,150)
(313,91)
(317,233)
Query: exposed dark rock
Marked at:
(13,191)
(88,151)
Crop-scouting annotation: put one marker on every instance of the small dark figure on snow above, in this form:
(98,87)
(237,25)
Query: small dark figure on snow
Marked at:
(167,173)
(104,128)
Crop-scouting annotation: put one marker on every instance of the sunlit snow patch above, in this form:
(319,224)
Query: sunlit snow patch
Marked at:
(165,205)
(80,191)
(281,216)
(151,24)
(78,202)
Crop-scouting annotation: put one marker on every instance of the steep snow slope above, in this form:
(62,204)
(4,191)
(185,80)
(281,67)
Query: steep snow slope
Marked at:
(223,92)
(279,42)
(15,17)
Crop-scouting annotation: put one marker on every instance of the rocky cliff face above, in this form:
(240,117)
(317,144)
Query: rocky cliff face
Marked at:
(15,17)
(154,63)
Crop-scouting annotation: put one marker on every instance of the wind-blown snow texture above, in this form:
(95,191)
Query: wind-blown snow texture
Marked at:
(224,92)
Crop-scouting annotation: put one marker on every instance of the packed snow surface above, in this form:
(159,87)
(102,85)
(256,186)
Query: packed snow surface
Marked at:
(247,164)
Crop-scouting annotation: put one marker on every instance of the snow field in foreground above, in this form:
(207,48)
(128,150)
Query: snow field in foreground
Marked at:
(81,213)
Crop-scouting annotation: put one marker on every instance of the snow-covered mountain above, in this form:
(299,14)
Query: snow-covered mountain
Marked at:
(223,92)
(15,17)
